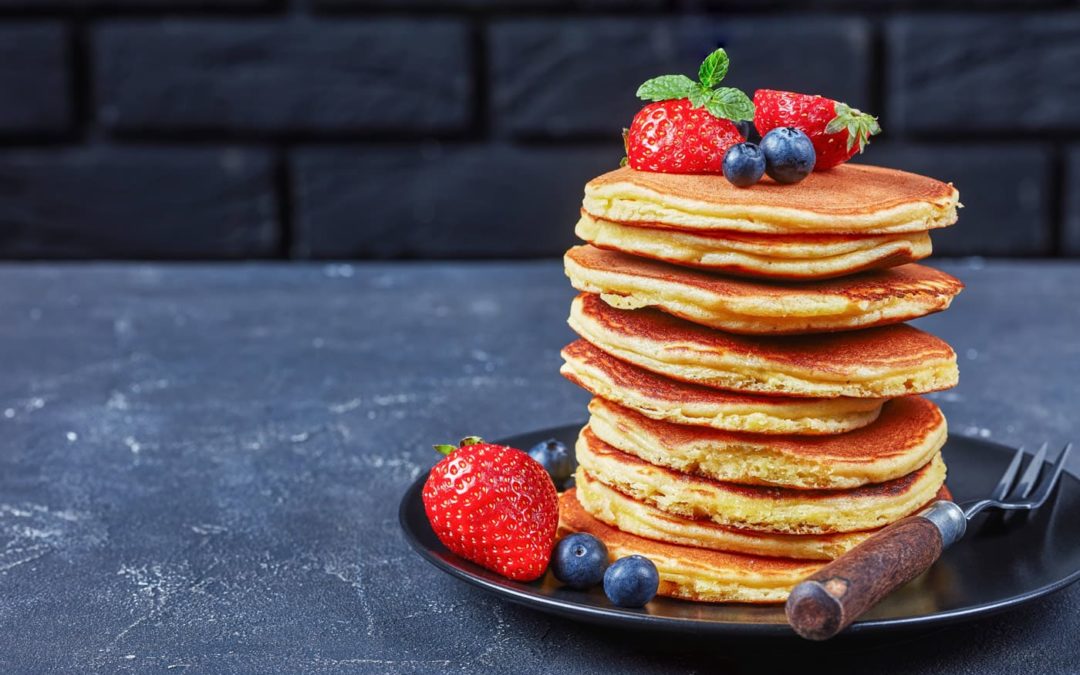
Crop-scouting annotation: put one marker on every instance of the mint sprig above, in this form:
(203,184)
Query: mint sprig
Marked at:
(859,125)
(723,102)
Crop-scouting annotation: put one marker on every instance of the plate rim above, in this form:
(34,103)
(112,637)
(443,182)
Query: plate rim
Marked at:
(642,619)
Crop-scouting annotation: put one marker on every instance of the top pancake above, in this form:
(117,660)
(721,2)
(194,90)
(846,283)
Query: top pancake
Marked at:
(880,362)
(760,307)
(851,198)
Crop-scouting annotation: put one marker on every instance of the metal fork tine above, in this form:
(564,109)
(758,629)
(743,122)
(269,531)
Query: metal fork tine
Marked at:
(1007,478)
(1031,474)
(1048,485)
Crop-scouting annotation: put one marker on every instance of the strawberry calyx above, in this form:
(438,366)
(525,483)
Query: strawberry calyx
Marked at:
(726,103)
(860,126)
(446,448)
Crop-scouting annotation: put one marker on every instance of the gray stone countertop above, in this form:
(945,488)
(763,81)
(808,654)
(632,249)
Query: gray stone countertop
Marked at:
(200,467)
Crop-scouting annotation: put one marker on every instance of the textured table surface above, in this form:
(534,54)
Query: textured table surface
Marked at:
(200,467)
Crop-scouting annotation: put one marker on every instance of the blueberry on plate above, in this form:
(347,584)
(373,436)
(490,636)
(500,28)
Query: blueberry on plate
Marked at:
(631,581)
(789,154)
(744,164)
(579,560)
(555,458)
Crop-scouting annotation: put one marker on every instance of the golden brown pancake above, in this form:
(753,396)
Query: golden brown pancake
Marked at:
(616,509)
(662,398)
(693,573)
(851,198)
(759,307)
(880,362)
(797,257)
(764,509)
(907,434)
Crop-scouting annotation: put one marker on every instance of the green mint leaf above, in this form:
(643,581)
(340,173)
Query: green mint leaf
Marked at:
(713,68)
(666,87)
(699,96)
(730,104)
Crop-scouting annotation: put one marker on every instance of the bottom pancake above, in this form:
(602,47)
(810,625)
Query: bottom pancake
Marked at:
(694,573)
(631,516)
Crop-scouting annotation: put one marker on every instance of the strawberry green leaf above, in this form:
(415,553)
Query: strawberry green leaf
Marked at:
(470,440)
(445,448)
(713,69)
(730,104)
(859,125)
(666,87)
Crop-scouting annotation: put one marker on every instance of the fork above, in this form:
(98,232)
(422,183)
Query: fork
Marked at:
(827,602)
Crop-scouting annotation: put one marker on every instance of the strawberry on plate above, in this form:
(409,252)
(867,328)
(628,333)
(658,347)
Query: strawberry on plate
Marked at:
(689,125)
(495,506)
(836,129)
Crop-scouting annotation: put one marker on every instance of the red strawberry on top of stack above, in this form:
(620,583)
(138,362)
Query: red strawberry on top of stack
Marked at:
(837,130)
(691,124)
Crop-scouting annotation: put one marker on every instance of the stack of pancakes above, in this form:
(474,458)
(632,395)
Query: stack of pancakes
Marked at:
(756,410)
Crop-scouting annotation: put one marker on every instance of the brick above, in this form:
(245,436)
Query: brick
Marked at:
(261,76)
(1004,190)
(1070,239)
(34,78)
(137,4)
(984,73)
(442,201)
(576,77)
(488,4)
(126,203)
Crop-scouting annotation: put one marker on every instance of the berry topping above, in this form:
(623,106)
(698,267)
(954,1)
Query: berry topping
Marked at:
(789,155)
(744,164)
(631,581)
(579,561)
(690,125)
(555,458)
(837,130)
(495,506)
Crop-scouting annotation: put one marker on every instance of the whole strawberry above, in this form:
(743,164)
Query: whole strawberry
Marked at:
(837,130)
(690,125)
(495,506)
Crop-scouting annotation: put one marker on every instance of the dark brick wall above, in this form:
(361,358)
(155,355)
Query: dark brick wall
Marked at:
(216,129)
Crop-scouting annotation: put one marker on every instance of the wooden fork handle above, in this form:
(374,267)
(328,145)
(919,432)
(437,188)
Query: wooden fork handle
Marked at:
(827,602)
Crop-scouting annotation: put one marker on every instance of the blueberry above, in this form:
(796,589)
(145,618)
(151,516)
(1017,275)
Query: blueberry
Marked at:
(789,155)
(555,459)
(744,164)
(579,560)
(745,128)
(631,581)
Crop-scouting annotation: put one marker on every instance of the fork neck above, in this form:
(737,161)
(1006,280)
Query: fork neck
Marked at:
(950,520)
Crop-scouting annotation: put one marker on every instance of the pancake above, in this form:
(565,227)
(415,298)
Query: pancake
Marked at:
(907,434)
(613,508)
(880,362)
(761,308)
(662,398)
(772,256)
(852,198)
(693,573)
(764,509)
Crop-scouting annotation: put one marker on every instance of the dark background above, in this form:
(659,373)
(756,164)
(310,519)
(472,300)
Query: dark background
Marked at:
(219,129)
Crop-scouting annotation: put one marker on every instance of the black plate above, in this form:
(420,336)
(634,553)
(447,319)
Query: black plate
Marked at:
(1001,563)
